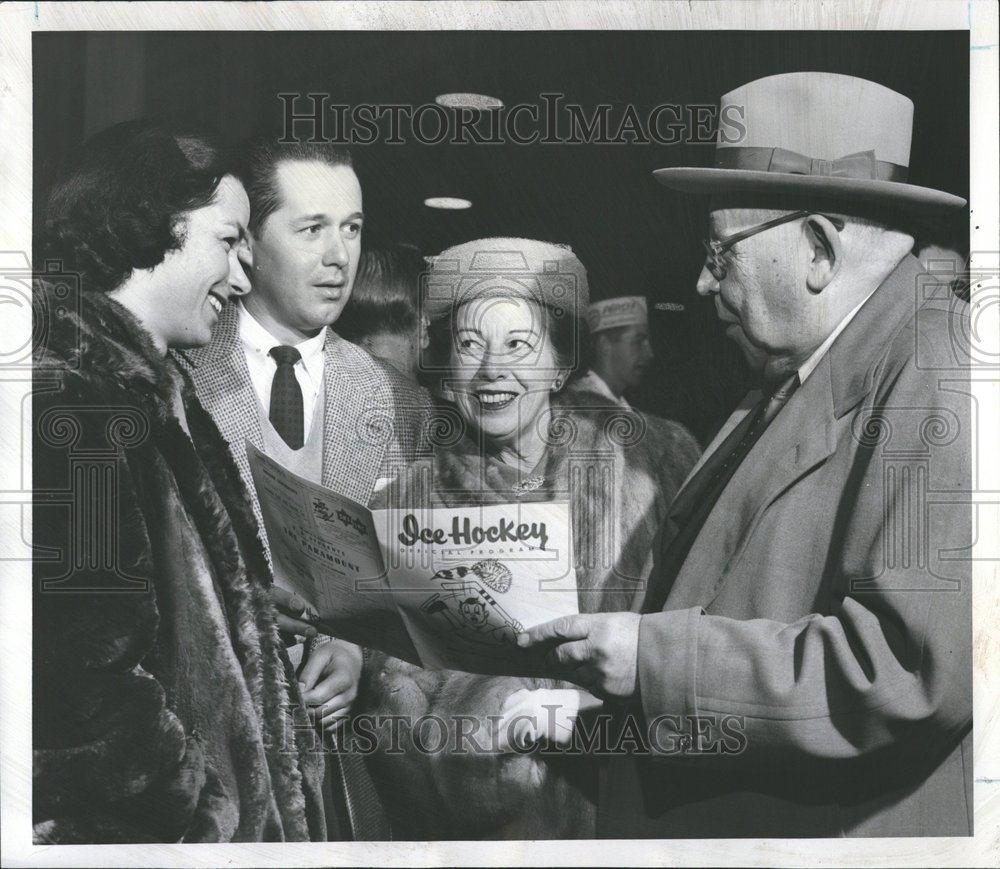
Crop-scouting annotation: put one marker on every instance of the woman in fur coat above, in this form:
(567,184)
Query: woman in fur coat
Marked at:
(511,434)
(163,701)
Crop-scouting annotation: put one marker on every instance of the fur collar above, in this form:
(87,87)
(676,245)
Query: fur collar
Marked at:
(104,356)
(93,335)
(581,424)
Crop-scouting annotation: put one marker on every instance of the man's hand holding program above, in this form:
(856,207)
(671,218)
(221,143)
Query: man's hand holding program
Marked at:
(596,651)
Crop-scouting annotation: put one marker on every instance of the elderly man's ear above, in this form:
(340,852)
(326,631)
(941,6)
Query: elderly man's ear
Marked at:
(827,252)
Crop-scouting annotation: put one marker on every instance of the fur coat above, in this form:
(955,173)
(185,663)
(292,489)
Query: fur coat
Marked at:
(162,706)
(621,475)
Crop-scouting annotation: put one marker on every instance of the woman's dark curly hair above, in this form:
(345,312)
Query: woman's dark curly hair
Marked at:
(121,196)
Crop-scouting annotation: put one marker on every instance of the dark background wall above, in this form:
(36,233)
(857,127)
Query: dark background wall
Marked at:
(634,236)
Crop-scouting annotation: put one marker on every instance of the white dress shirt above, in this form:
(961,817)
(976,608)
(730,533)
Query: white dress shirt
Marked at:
(257,344)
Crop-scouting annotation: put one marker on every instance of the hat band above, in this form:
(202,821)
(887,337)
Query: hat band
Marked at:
(861,165)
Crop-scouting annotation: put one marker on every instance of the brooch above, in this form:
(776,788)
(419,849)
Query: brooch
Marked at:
(529,484)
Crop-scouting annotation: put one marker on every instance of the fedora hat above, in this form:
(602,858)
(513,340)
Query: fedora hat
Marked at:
(814,134)
(538,271)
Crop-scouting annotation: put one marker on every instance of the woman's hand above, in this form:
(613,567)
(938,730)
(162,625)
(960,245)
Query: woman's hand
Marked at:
(291,614)
(329,682)
(540,715)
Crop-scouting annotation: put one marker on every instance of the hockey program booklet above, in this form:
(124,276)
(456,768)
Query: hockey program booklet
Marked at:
(443,588)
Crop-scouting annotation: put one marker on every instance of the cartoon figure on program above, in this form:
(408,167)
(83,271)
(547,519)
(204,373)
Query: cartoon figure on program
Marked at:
(466,609)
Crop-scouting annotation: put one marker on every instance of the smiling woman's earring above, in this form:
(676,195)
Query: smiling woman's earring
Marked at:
(557,384)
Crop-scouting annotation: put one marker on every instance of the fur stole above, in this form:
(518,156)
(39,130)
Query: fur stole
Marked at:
(619,477)
(162,709)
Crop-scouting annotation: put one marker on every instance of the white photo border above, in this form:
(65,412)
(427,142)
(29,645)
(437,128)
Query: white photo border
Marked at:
(19,20)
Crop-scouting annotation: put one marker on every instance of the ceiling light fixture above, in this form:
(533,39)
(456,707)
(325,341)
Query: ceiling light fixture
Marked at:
(451,203)
(479,102)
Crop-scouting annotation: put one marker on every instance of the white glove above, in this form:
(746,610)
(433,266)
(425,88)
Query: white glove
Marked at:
(526,718)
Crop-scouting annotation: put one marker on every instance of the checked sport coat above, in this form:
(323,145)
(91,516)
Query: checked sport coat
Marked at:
(374,419)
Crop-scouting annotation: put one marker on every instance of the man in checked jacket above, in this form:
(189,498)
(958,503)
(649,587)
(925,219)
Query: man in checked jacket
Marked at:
(276,374)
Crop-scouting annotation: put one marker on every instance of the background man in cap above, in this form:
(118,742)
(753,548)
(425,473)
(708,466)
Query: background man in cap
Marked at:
(804,650)
(275,374)
(619,347)
(620,355)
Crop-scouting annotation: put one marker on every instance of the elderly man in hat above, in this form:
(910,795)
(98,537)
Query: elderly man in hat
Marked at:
(801,665)
(620,350)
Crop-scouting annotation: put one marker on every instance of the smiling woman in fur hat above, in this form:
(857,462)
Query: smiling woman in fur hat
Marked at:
(161,695)
(505,337)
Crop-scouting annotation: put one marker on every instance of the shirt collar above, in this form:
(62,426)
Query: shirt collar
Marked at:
(810,364)
(259,340)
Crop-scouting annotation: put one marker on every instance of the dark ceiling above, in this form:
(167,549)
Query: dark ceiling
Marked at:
(634,236)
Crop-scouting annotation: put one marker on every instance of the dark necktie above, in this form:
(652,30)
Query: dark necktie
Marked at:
(286,397)
(693,504)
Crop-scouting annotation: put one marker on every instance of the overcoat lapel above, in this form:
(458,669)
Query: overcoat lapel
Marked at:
(801,438)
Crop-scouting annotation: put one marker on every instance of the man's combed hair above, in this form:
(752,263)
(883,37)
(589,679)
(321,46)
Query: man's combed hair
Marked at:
(258,170)
(120,198)
(386,294)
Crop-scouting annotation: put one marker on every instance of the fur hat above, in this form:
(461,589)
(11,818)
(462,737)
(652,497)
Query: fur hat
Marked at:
(547,274)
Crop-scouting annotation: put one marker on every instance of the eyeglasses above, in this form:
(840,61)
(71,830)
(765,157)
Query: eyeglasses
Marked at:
(715,249)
